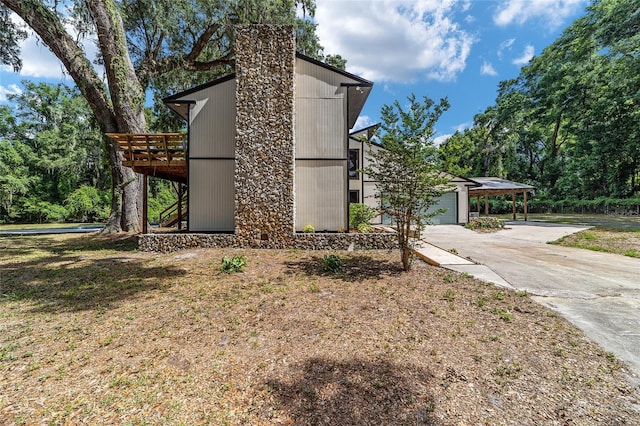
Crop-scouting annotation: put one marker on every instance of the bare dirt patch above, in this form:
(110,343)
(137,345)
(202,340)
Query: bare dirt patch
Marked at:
(96,333)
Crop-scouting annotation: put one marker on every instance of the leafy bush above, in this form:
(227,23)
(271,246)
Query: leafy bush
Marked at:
(332,263)
(87,204)
(308,229)
(234,264)
(365,228)
(360,213)
(485,223)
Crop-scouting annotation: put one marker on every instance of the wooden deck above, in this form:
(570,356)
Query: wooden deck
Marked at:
(161,155)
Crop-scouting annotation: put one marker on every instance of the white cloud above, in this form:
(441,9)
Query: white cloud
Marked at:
(38,61)
(553,13)
(526,56)
(12,89)
(439,140)
(395,40)
(505,45)
(488,69)
(362,122)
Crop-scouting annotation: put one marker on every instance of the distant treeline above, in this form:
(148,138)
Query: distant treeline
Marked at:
(569,124)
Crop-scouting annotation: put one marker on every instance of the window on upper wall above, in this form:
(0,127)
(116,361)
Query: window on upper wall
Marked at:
(354,163)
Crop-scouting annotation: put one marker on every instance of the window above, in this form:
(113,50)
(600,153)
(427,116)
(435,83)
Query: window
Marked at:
(354,163)
(354,196)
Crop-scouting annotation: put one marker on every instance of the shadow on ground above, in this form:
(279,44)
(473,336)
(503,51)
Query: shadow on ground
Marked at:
(356,268)
(74,274)
(356,392)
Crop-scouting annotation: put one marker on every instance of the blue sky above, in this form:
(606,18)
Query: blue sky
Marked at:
(436,48)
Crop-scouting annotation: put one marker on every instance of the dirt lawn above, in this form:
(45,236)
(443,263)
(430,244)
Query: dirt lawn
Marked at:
(93,332)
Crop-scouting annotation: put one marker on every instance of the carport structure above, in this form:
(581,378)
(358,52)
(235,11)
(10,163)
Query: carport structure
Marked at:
(491,186)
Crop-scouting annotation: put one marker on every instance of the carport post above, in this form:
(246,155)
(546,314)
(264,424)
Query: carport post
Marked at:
(486,205)
(525,205)
(513,201)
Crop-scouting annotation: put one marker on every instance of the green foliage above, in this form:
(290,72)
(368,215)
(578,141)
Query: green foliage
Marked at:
(484,223)
(233,264)
(308,229)
(87,204)
(406,170)
(162,194)
(332,263)
(51,159)
(568,124)
(360,213)
(365,228)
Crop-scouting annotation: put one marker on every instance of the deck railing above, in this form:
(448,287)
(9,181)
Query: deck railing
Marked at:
(160,149)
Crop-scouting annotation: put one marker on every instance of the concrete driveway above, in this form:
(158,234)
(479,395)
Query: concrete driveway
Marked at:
(598,292)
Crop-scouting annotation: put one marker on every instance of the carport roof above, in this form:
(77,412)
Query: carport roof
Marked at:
(497,186)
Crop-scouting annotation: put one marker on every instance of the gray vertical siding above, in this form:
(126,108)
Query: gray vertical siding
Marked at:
(320,194)
(212,122)
(211,159)
(211,195)
(321,148)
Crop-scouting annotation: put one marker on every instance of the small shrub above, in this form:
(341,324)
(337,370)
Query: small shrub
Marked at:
(485,224)
(360,213)
(234,264)
(365,228)
(332,263)
(449,295)
(308,229)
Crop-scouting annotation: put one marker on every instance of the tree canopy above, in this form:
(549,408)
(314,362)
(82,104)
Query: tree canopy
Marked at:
(569,124)
(142,45)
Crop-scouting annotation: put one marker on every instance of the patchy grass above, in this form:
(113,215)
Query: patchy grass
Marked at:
(625,241)
(93,332)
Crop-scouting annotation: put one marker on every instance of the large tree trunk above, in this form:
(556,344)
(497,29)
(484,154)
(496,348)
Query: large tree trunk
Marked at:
(127,96)
(119,111)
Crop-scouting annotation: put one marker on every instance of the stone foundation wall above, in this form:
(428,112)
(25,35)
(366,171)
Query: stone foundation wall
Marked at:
(165,243)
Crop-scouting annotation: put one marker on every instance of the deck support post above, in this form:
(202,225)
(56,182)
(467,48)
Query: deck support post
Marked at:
(513,202)
(525,206)
(180,194)
(486,205)
(145,209)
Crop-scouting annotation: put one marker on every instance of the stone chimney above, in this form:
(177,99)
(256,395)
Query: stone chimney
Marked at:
(264,151)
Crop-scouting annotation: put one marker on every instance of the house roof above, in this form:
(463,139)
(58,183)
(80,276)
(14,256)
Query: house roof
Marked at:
(497,186)
(358,90)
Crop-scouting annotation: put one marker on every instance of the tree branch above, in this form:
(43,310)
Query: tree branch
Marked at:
(49,28)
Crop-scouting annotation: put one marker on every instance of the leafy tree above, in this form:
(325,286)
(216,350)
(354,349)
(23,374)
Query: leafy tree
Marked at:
(406,172)
(570,122)
(50,147)
(143,44)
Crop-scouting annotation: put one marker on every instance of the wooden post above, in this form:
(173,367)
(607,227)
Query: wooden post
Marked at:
(179,206)
(525,205)
(144,204)
(513,200)
(478,204)
(486,205)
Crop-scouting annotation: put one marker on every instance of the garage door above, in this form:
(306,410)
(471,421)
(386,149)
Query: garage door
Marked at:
(447,201)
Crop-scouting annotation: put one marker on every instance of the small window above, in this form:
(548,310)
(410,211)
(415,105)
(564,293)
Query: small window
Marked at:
(354,163)
(354,196)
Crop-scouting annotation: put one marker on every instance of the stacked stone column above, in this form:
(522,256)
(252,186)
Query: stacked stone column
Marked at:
(265,103)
